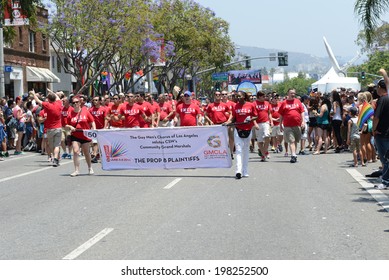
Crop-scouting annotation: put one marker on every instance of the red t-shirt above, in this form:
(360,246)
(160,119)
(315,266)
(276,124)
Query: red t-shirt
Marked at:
(132,114)
(165,110)
(114,110)
(241,112)
(80,121)
(275,114)
(99,115)
(188,114)
(218,112)
(43,114)
(54,113)
(291,111)
(230,104)
(263,109)
(148,110)
(172,103)
(64,115)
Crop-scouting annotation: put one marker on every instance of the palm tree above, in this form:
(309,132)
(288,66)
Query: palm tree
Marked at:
(369,12)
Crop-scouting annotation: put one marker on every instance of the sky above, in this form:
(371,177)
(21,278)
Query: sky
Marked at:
(295,26)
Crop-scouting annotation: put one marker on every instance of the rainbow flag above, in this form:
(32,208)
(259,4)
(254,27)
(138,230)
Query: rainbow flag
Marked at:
(366,112)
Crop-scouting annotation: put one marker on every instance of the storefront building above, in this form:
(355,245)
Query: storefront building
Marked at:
(27,61)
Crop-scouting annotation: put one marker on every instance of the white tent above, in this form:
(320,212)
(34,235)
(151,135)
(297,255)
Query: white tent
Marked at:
(332,80)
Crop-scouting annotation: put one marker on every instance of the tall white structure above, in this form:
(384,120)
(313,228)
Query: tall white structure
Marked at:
(336,77)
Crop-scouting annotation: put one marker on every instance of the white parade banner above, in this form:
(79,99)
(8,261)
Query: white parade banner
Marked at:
(164,148)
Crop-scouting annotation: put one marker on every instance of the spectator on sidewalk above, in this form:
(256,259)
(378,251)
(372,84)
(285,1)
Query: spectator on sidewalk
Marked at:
(381,129)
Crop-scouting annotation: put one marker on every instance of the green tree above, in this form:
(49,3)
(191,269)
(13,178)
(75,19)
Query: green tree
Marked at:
(380,38)
(300,83)
(99,35)
(370,12)
(200,39)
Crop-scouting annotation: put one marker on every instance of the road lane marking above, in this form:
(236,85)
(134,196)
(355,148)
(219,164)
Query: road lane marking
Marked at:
(32,172)
(77,252)
(171,184)
(18,157)
(378,195)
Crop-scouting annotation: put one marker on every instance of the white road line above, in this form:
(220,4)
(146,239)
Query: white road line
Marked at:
(88,244)
(31,172)
(11,158)
(25,174)
(379,196)
(170,185)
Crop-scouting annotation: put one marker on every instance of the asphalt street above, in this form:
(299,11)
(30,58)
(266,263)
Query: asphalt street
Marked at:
(318,208)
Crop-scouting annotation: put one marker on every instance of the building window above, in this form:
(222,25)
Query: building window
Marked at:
(59,66)
(53,62)
(32,41)
(20,35)
(44,42)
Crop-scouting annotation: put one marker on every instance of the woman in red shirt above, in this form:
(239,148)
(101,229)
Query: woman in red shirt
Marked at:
(244,115)
(78,120)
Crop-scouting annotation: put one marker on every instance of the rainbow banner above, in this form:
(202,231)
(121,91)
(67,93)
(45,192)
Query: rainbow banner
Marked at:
(366,112)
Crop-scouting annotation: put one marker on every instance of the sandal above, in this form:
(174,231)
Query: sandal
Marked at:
(316,153)
(353,165)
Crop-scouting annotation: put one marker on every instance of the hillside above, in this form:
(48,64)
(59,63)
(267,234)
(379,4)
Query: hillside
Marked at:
(297,61)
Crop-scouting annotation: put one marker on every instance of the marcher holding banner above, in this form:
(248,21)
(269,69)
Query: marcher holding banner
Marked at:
(244,115)
(218,112)
(131,113)
(189,113)
(99,114)
(78,120)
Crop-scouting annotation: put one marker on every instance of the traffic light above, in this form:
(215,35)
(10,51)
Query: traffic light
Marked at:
(363,76)
(248,62)
(282,59)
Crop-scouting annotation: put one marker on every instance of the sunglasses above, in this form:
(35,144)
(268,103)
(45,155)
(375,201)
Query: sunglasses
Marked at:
(75,102)
(115,98)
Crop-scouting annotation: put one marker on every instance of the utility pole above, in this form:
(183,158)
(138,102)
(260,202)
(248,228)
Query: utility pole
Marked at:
(2,82)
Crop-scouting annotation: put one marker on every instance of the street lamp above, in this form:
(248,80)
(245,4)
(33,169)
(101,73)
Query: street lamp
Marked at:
(188,78)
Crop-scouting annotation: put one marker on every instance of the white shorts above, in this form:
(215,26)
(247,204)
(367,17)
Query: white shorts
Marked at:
(276,131)
(263,131)
(304,136)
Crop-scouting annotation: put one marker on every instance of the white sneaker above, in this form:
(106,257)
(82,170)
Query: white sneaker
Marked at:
(381,187)
(91,172)
(245,175)
(74,174)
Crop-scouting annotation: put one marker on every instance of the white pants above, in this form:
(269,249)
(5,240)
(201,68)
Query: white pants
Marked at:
(242,150)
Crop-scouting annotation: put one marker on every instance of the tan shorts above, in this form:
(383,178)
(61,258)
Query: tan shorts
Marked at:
(54,137)
(355,144)
(65,133)
(292,134)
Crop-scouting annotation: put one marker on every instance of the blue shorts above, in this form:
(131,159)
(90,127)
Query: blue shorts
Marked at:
(21,127)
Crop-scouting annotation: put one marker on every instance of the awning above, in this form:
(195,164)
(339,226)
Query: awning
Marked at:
(36,74)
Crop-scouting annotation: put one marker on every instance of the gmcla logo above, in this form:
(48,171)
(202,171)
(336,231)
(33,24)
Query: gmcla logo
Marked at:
(214,141)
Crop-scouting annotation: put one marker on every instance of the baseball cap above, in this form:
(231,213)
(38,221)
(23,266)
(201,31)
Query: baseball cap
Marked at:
(187,93)
(353,110)
(305,97)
